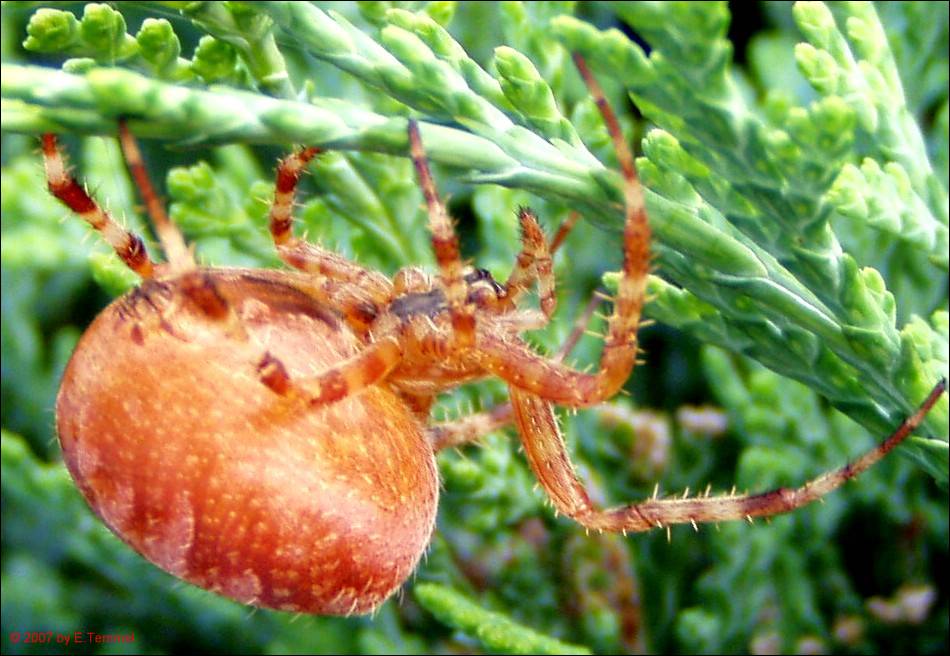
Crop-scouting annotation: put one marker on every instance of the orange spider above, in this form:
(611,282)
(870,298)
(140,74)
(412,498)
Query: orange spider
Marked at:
(263,434)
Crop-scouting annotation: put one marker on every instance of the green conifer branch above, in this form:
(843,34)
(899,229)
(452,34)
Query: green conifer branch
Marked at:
(494,630)
(250,32)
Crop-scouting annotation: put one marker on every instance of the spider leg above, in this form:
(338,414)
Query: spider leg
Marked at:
(471,427)
(357,307)
(445,243)
(620,347)
(547,454)
(204,295)
(169,236)
(580,327)
(533,261)
(563,231)
(511,359)
(360,371)
(363,369)
(308,257)
(128,246)
(466,429)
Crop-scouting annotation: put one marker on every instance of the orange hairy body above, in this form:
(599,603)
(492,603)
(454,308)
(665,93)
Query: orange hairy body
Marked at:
(207,473)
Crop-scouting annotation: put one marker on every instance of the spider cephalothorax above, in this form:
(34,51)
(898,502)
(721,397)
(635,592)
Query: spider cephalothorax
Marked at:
(483,291)
(265,434)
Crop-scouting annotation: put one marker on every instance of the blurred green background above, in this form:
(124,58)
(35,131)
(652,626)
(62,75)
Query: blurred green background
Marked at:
(864,572)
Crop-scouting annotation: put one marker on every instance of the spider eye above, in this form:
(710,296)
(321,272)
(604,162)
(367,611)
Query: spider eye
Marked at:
(477,274)
(483,293)
(483,274)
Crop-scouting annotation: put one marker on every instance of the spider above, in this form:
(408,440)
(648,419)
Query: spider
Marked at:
(263,434)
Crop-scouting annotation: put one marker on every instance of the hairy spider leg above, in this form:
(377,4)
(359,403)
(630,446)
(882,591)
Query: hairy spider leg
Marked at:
(196,286)
(366,292)
(547,454)
(289,171)
(522,368)
(471,427)
(308,257)
(372,364)
(620,350)
(533,261)
(169,236)
(128,246)
(445,243)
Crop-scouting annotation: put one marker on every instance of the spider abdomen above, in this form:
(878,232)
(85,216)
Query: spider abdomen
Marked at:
(189,458)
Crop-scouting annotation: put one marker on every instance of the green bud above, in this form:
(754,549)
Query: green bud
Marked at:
(531,95)
(52,30)
(864,296)
(441,11)
(429,30)
(848,193)
(214,60)
(374,12)
(612,49)
(834,122)
(818,67)
(815,21)
(661,146)
(324,33)
(867,34)
(103,29)
(159,44)
(406,46)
